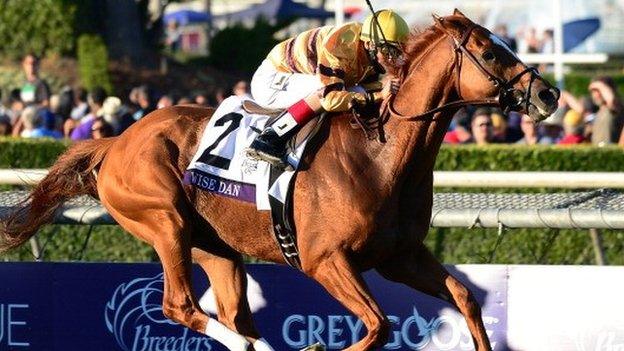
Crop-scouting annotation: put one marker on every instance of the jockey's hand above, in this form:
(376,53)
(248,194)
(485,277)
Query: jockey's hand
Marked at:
(391,87)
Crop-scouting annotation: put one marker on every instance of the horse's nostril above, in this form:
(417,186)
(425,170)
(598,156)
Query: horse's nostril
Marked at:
(547,96)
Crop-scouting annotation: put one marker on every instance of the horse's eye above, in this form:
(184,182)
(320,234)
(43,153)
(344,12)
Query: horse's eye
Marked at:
(488,56)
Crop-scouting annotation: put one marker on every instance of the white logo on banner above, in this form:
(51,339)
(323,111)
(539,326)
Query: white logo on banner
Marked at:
(134,316)
(447,331)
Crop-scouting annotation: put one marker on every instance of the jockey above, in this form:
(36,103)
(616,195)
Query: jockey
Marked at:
(325,69)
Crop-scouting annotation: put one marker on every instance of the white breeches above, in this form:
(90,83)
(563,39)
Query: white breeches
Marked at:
(273,89)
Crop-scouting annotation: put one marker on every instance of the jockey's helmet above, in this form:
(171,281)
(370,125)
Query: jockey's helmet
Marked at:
(394,29)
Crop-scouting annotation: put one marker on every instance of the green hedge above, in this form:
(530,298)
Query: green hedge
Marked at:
(456,245)
(29,153)
(530,158)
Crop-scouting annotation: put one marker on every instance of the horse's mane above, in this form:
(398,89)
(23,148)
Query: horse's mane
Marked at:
(418,40)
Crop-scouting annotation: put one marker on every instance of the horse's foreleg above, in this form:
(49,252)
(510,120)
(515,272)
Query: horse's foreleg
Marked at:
(228,280)
(345,284)
(420,270)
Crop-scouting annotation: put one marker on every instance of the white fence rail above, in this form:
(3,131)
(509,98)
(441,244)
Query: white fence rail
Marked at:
(568,180)
(457,179)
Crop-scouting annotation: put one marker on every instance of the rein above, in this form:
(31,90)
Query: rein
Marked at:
(506,90)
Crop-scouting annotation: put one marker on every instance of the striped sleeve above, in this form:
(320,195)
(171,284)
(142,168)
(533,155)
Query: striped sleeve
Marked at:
(337,50)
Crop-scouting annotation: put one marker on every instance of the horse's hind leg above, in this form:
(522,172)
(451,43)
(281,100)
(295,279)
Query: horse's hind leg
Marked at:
(346,284)
(162,217)
(420,270)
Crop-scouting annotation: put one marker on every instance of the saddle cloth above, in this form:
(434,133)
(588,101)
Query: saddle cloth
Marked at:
(221,166)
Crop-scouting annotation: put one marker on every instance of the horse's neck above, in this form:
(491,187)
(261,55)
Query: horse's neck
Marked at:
(416,143)
(380,170)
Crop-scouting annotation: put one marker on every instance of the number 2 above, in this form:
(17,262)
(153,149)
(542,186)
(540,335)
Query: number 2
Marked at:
(215,160)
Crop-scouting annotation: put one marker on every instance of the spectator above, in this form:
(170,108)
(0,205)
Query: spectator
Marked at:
(116,116)
(572,128)
(164,101)
(201,98)
(4,111)
(5,125)
(78,112)
(514,129)
(81,107)
(185,100)
(101,129)
(219,96)
(6,120)
(28,121)
(529,42)
(34,90)
(46,125)
(241,89)
(95,99)
(499,127)
(144,102)
(54,108)
(66,103)
(482,128)
(607,125)
(550,130)
(172,36)
(501,32)
(547,45)
(461,129)
(529,128)
(16,106)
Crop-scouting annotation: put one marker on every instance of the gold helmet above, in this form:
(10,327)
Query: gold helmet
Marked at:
(394,28)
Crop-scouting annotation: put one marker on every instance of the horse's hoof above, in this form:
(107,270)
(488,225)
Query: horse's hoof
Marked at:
(315,347)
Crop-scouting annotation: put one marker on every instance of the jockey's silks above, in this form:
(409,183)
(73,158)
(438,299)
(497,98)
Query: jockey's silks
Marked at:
(335,54)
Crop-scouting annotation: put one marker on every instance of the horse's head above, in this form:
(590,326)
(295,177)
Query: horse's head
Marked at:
(487,69)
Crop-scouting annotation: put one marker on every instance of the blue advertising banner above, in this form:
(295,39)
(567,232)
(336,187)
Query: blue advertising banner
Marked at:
(83,306)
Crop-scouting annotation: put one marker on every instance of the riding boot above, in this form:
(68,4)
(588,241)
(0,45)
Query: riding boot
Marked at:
(270,145)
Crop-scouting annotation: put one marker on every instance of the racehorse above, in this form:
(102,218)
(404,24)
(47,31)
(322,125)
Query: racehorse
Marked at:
(358,204)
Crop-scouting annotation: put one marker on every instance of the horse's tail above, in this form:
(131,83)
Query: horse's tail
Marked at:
(71,175)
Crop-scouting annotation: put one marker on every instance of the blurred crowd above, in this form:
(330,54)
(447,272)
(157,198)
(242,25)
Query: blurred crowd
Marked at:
(596,118)
(33,111)
(527,40)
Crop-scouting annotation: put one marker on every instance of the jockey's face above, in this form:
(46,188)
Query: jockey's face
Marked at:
(387,55)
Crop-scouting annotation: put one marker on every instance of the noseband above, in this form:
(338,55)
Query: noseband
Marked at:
(508,97)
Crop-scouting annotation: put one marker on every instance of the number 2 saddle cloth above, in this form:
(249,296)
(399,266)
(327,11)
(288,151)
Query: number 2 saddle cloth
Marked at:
(222,167)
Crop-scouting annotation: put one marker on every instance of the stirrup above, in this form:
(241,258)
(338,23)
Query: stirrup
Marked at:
(274,161)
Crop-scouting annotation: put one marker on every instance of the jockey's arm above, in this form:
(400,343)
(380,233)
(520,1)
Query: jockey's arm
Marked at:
(339,53)
(334,97)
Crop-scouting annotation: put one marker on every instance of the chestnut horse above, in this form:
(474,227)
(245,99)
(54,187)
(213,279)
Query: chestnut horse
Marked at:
(358,205)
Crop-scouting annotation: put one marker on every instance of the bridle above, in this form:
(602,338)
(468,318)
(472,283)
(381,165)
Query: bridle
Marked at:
(508,97)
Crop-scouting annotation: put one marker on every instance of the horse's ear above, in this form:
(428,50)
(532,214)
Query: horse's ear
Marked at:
(438,20)
(458,13)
